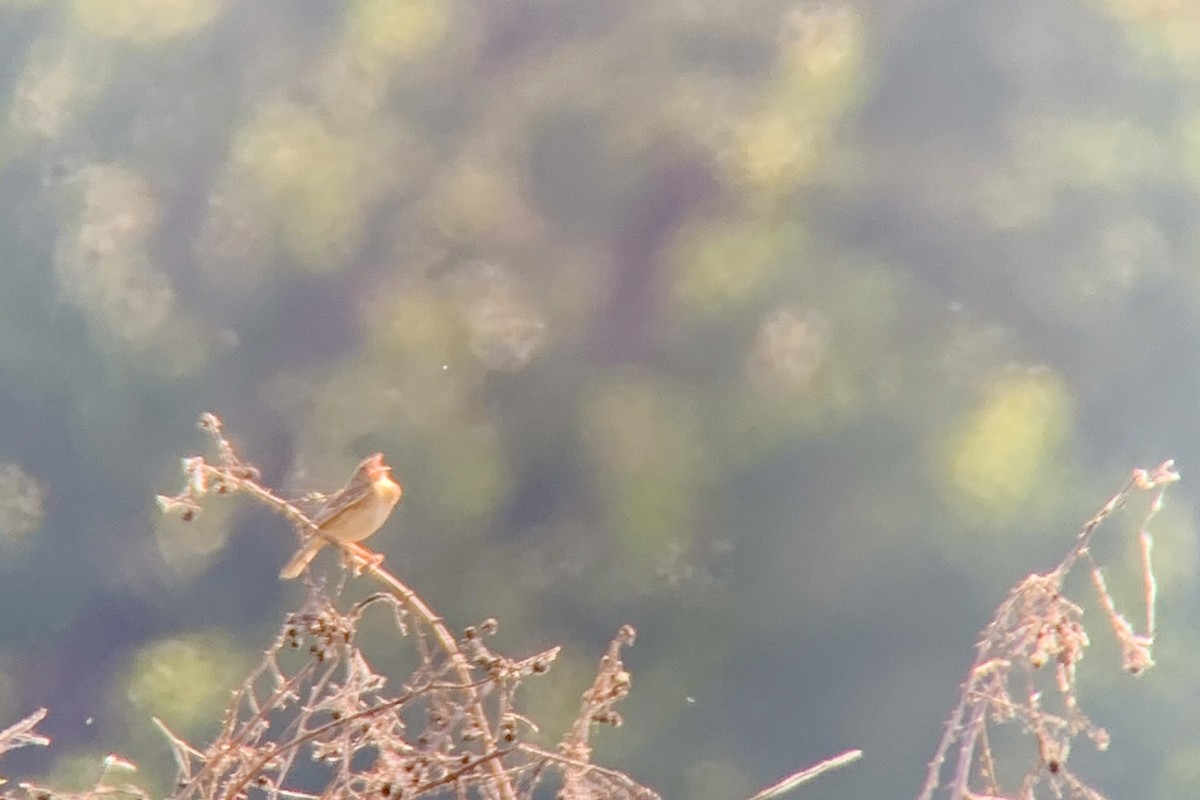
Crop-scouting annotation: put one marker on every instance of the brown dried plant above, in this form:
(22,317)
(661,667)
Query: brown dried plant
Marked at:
(22,734)
(1038,628)
(449,727)
(316,719)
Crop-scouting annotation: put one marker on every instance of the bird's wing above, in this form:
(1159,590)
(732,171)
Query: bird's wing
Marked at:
(347,497)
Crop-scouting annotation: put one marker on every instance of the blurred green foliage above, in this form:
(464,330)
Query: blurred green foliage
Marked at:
(22,507)
(400,30)
(995,459)
(790,332)
(185,681)
(145,21)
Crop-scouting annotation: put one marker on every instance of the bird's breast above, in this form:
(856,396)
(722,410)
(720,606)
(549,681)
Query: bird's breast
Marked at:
(365,517)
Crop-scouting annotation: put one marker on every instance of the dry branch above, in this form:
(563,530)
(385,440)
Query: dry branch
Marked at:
(1037,627)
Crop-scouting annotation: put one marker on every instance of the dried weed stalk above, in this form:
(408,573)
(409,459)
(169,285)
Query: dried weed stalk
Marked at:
(22,734)
(315,719)
(1037,627)
(333,726)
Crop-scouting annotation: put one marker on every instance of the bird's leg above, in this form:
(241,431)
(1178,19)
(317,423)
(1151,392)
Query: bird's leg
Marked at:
(359,557)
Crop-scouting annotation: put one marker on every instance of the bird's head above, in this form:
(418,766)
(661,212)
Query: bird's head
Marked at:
(375,467)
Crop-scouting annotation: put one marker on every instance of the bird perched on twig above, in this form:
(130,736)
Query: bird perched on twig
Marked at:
(358,510)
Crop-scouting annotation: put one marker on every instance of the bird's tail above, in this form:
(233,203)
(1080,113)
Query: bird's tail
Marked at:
(302,559)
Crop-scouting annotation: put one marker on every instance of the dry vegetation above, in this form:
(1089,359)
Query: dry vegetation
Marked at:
(316,719)
(1025,674)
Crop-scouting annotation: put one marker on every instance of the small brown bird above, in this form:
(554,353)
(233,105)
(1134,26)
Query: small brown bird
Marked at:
(351,515)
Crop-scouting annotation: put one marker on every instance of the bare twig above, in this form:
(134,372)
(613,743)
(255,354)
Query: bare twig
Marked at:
(798,779)
(234,474)
(462,688)
(22,734)
(1036,626)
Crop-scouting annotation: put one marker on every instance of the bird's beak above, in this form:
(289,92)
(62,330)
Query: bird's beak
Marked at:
(378,466)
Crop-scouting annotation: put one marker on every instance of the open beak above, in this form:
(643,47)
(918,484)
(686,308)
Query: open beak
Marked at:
(378,467)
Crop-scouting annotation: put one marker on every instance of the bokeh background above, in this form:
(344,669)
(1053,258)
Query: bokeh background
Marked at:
(792,333)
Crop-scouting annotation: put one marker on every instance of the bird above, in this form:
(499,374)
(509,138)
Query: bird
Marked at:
(358,510)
